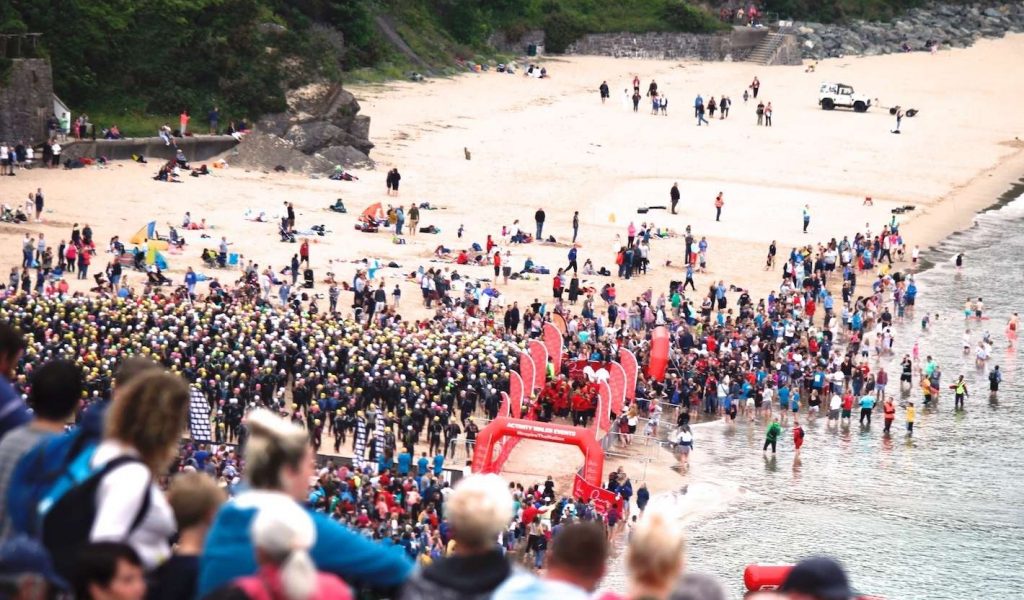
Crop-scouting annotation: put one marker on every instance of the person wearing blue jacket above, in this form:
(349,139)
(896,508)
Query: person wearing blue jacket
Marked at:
(279,466)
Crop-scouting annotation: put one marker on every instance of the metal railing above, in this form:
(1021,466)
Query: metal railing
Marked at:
(19,45)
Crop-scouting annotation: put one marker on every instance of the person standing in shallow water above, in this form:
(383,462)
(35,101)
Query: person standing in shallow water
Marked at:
(959,393)
(771,437)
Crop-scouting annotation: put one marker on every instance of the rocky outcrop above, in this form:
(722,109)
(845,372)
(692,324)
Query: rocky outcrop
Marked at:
(949,25)
(323,124)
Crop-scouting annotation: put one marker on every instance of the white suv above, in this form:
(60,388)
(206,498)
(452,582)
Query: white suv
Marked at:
(832,95)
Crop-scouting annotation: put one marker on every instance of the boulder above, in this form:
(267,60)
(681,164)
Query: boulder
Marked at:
(360,127)
(274,124)
(346,156)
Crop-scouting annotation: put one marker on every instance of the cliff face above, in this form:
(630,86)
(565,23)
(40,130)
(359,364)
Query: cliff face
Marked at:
(26,100)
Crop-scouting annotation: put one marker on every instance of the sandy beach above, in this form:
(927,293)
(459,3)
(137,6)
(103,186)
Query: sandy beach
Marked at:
(552,144)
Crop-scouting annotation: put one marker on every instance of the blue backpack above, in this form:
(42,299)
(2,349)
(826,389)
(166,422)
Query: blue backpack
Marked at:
(52,493)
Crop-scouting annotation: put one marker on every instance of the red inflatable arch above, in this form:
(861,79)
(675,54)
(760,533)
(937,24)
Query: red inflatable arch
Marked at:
(504,429)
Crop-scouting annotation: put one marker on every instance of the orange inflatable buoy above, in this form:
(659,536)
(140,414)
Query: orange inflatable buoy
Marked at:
(760,578)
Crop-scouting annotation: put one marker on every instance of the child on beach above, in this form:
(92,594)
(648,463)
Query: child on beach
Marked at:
(911,414)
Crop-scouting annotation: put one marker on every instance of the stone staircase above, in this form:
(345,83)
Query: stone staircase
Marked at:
(764,52)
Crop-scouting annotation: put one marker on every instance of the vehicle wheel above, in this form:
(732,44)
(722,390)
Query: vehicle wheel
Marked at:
(828,104)
(859,106)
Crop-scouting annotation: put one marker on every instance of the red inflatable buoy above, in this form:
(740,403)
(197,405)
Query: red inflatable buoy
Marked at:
(761,578)
(658,362)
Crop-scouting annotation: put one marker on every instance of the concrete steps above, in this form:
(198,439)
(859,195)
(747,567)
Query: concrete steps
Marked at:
(763,53)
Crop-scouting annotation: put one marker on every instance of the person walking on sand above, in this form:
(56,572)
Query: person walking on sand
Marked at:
(807,216)
(771,437)
(798,437)
(959,393)
(899,119)
(575,225)
(38,201)
(674,196)
(636,101)
(719,203)
(392,181)
(572,260)
(760,113)
(414,218)
(755,85)
(768,115)
(604,91)
(700,115)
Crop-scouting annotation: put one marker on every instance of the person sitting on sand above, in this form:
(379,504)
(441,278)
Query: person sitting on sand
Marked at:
(462,258)
(588,267)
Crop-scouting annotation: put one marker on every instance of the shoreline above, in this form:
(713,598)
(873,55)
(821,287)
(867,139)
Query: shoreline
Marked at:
(956,210)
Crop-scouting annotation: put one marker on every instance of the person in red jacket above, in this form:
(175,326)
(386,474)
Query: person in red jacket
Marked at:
(890,413)
(556,285)
(497,264)
(798,436)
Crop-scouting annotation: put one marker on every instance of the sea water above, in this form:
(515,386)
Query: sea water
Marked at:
(939,515)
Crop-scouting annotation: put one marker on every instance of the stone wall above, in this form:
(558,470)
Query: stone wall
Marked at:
(500,41)
(26,100)
(196,148)
(788,53)
(736,45)
(951,25)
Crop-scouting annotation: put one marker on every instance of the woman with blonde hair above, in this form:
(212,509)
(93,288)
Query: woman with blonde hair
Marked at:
(144,422)
(655,557)
(279,469)
(282,538)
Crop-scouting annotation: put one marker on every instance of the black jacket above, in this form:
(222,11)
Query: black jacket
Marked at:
(459,578)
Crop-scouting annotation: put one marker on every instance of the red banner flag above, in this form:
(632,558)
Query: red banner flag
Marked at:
(515,393)
(617,381)
(539,354)
(604,405)
(630,365)
(553,343)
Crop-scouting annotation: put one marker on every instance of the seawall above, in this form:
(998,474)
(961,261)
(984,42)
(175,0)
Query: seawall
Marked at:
(200,147)
(734,45)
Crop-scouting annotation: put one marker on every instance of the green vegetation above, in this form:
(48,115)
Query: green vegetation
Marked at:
(122,61)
